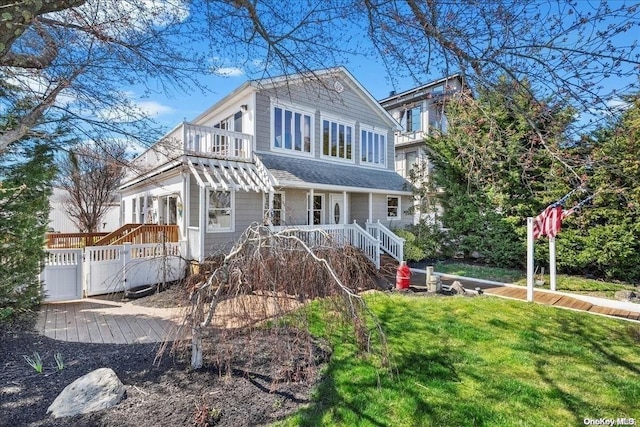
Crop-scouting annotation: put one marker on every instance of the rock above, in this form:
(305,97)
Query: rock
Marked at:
(457,288)
(626,296)
(99,389)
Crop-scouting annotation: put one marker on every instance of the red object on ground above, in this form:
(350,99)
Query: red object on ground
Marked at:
(403,276)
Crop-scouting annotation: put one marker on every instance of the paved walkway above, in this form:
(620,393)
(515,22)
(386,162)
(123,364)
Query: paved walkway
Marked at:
(601,306)
(107,322)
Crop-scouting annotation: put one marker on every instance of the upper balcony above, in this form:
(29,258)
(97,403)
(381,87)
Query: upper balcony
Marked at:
(196,140)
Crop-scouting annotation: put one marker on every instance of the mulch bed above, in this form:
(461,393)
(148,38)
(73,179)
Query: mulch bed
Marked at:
(249,388)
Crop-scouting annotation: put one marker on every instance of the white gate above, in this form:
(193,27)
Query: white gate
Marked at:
(61,276)
(103,270)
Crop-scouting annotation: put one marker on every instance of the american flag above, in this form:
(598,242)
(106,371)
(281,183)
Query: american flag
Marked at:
(549,222)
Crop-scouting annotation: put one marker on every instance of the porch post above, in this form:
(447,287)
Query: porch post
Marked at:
(370,207)
(186,207)
(311,206)
(202,221)
(346,210)
(145,212)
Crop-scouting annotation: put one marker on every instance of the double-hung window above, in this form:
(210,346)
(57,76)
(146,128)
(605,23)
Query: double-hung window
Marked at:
(337,139)
(393,207)
(219,211)
(277,214)
(292,130)
(373,147)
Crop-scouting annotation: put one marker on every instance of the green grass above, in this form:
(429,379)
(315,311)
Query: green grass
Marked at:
(573,284)
(480,362)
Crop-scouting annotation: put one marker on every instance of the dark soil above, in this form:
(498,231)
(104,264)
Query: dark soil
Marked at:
(250,386)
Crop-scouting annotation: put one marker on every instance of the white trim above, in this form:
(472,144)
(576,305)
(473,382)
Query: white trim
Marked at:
(323,214)
(347,123)
(399,216)
(269,199)
(381,132)
(232,224)
(293,109)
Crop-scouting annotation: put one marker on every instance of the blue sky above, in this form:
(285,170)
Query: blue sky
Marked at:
(171,110)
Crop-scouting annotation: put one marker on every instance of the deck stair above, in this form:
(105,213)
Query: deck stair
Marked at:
(115,235)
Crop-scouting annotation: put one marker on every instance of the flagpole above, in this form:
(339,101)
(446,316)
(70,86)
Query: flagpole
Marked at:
(530,259)
(552,263)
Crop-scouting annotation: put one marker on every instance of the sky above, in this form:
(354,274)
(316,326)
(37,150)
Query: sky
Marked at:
(169,111)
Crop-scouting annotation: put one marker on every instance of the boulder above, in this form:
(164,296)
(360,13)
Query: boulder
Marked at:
(99,389)
(626,296)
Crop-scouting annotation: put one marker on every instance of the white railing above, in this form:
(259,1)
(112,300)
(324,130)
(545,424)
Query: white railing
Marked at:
(209,141)
(112,268)
(353,234)
(361,239)
(389,241)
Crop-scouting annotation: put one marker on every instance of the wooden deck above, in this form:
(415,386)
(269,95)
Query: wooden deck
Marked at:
(106,322)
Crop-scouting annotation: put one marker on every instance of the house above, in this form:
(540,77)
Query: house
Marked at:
(311,149)
(420,112)
(60,222)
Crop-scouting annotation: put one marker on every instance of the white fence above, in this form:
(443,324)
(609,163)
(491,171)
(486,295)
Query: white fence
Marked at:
(95,270)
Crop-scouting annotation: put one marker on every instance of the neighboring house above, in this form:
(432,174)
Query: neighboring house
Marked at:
(60,222)
(420,112)
(297,150)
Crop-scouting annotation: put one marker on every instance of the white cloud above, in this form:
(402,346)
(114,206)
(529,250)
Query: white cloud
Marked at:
(153,108)
(229,71)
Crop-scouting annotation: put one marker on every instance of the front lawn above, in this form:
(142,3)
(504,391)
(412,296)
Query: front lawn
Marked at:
(565,283)
(481,361)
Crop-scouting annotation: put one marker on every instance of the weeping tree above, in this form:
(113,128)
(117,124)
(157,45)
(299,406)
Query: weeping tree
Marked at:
(271,277)
(91,175)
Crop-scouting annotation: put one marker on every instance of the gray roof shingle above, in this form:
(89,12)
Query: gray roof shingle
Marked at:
(300,170)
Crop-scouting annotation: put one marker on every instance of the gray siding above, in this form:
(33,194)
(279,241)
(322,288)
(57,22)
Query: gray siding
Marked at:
(295,202)
(194,202)
(263,122)
(310,95)
(248,209)
(360,207)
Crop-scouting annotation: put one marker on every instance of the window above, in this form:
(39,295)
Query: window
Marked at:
(413,122)
(317,209)
(292,130)
(373,147)
(277,217)
(393,207)
(219,211)
(337,140)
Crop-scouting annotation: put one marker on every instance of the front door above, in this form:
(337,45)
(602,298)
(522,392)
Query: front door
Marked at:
(336,209)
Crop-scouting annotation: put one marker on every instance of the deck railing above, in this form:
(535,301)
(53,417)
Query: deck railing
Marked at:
(150,233)
(72,240)
(215,142)
(353,234)
(129,233)
(117,234)
(389,241)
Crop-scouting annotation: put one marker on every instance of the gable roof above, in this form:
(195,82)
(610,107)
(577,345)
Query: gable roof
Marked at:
(281,81)
(292,172)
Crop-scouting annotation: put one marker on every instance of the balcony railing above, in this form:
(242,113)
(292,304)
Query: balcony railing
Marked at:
(214,142)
